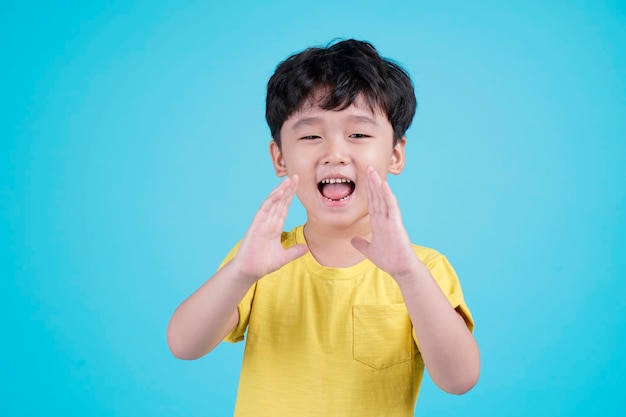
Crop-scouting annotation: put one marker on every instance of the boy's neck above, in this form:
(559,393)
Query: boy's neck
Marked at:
(332,247)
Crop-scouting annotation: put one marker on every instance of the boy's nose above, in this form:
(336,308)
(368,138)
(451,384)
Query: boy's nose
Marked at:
(335,153)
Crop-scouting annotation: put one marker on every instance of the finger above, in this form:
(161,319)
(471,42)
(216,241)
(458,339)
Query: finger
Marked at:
(294,252)
(361,245)
(277,212)
(279,188)
(267,213)
(391,202)
(268,205)
(282,207)
(374,195)
(372,201)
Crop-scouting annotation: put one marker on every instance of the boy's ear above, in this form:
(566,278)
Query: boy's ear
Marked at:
(398,157)
(277,159)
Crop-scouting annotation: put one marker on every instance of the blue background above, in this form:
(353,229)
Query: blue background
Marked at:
(133,155)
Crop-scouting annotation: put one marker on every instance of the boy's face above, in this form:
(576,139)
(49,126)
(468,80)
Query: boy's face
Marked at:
(330,151)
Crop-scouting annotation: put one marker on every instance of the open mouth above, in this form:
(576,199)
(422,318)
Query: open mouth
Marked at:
(336,189)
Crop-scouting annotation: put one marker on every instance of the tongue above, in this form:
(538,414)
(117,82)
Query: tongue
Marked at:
(336,191)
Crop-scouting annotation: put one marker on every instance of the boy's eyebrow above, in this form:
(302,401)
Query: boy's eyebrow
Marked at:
(310,121)
(364,119)
(307,121)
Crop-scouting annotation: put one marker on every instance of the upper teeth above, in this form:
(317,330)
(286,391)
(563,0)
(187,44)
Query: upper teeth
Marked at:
(334,180)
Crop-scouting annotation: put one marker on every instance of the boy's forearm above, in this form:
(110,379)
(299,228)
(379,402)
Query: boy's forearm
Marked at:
(448,348)
(205,318)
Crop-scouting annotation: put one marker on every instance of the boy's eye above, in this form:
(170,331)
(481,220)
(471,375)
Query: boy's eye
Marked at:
(359,135)
(310,137)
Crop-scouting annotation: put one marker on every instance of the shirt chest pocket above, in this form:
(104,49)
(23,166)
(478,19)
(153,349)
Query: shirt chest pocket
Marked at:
(382,335)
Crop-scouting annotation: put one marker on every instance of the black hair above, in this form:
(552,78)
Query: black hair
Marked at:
(341,71)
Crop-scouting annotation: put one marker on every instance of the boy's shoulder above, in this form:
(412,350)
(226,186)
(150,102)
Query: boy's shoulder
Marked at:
(426,254)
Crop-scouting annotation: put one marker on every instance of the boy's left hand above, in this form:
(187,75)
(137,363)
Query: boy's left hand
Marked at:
(390,247)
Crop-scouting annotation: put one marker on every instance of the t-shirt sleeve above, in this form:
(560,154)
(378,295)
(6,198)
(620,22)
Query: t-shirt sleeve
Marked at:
(244,307)
(447,279)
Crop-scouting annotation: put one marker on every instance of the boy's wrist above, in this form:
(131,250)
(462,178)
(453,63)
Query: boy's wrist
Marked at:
(240,276)
(412,273)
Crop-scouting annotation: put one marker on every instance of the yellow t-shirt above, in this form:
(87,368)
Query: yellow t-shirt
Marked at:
(332,341)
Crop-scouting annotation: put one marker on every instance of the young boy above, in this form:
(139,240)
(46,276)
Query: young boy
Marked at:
(343,313)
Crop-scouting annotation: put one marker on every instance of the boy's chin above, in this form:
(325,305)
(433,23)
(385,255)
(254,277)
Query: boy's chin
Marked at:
(338,217)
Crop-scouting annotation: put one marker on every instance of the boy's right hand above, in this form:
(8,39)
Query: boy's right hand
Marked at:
(261,250)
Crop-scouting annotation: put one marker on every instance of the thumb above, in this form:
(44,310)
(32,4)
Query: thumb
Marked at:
(360,244)
(296,251)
